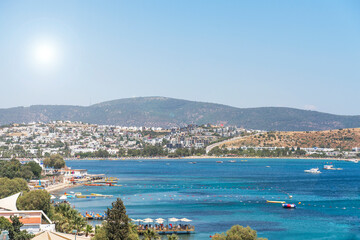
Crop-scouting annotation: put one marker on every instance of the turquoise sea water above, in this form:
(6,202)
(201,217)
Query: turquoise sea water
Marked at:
(216,196)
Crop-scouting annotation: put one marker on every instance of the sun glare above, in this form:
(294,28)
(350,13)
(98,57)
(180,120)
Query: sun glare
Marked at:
(45,54)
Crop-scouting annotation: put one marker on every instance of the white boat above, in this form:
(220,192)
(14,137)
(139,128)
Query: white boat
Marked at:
(331,167)
(313,170)
(63,197)
(232,161)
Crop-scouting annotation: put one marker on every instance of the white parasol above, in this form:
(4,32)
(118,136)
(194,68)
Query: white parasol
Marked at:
(173,219)
(185,220)
(160,220)
(147,220)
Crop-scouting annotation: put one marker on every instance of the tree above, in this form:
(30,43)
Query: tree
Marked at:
(88,229)
(35,168)
(100,233)
(238,232)
(133,231)
(117,225)
(5,224)
(9,187)
(150,234)
(14,169)
(172,237)
(67,219)
(56,161)
(35,200)
(14,231)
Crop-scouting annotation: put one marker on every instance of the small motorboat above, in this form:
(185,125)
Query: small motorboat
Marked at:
(313,170)
(331,167)
(288,205)
(63,197)
(232,161)
(219,161)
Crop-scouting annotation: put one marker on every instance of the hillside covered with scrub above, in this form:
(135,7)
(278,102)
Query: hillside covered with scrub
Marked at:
(345,139)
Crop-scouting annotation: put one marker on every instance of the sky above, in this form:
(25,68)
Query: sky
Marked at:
(302,54)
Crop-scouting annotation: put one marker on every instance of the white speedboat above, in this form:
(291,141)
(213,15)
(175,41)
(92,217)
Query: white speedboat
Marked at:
(331,167)
(313,170)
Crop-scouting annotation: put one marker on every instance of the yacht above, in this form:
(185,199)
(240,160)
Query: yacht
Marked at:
(313,170)
(331,167)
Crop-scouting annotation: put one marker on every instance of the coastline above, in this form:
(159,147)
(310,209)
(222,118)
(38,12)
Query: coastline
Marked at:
(58,187)
(206,157)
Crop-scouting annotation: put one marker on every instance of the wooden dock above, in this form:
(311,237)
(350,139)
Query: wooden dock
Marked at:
(167,230)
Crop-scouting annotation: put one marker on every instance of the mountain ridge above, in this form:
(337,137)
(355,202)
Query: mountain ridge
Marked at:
(170,112)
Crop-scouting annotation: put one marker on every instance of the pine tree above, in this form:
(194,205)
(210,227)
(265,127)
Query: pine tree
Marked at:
(117,225)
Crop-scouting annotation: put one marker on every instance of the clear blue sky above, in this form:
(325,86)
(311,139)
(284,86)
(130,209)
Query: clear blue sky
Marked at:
(303,54)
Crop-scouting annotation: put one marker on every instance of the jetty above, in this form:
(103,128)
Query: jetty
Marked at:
(169,230)
(174,225)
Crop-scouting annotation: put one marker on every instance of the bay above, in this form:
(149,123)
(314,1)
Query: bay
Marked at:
(218,195)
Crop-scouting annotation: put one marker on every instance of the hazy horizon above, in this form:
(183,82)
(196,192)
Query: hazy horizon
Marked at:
(298,54)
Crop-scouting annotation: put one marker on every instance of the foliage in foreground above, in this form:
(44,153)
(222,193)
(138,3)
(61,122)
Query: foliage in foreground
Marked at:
(150,234)
(238,232)
(13,228)
(117,226)
(35,200)
(172,237)
(68,219)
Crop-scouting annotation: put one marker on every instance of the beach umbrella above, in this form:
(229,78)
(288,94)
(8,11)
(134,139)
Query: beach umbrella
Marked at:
(52,197)
(148,220)
(185,220)
(160,221)
(173,219)
(136,220)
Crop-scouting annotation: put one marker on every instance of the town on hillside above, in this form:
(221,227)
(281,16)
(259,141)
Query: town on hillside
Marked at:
(83,140)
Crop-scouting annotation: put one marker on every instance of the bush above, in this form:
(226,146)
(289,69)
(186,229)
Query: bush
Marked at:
(238,232)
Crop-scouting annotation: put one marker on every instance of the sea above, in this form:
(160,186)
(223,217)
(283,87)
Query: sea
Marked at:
(216,196)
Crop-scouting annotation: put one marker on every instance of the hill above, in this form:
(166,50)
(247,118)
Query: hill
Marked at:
(342,138)
(169,112)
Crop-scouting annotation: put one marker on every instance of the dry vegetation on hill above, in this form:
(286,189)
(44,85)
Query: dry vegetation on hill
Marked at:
(343,138)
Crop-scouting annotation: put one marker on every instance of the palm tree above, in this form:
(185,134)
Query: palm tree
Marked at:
(172,237)
(150,234)
(133,228)
(88,229)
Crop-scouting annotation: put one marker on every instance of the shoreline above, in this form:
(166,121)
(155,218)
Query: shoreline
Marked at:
(206,157)
(58,187)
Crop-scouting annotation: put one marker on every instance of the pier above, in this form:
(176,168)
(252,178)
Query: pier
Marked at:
(172,227)
(168,230)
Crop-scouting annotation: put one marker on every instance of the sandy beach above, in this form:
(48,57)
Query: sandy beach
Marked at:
(58,187)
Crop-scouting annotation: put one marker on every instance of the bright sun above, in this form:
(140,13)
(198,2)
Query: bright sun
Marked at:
(45,53)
